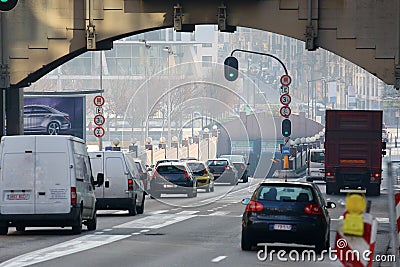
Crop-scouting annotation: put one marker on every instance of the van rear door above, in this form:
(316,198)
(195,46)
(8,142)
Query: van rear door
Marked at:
(97,164)
(116,176)
(53,175)
(17,179)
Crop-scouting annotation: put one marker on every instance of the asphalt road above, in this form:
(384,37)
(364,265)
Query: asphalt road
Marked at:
(173,231)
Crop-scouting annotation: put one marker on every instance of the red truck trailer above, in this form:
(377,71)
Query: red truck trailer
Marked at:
(353,151)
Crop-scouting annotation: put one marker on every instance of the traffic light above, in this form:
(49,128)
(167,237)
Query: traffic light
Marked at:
(286,127)
(7,5)
(231,68)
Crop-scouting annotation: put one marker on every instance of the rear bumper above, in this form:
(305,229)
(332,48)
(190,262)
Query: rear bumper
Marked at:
(41,220)
(307,232)
(114,203)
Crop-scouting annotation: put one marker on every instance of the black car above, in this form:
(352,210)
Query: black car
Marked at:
(173,178)
(286,212)
(239,161)
(45,120)
(223,170)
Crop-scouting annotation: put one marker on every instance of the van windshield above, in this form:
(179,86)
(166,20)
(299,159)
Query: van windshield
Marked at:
(318,157)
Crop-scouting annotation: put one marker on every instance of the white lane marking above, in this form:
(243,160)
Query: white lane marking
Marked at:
(382,220)
(219,213)
(157,212)
(337,219)
(156,221)
(98,233)
(188,212)
(121,212)
(107,230)
(66,248)
(144,230)
(218,259)
(136,233)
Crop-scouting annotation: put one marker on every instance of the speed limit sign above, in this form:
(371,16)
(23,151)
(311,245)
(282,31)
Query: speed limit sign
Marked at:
(99,132)
(285,111)
(285,99)
(99,120)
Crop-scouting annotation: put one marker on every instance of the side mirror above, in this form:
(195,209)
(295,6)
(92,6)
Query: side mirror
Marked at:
(245,201)
(100,179)
(331,205)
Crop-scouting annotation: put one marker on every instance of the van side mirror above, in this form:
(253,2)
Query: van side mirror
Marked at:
(100,179)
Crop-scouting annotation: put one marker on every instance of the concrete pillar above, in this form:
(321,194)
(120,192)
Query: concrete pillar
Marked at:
(14,110)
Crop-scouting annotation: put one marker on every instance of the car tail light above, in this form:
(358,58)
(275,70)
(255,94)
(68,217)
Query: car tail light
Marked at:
(130,185)
(186,174)
(73,195)
(227,168)
(330,175)
(254,206)
(66,117)
(205,171)
(242,166)
(314,209)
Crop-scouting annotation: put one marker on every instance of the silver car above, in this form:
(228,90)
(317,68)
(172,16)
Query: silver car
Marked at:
(45,119)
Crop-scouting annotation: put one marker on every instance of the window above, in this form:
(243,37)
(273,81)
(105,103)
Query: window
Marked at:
(286,193)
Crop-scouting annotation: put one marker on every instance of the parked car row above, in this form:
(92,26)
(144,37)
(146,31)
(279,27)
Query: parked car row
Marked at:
(53,183)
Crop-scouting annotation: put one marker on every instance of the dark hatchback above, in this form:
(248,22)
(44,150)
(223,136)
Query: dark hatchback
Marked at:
(286,212)
(223,171)
(173,178)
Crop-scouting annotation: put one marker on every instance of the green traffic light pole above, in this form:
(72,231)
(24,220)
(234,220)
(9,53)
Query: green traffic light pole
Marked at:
(262,54)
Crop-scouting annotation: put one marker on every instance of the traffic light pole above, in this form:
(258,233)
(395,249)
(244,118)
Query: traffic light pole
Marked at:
(262,54)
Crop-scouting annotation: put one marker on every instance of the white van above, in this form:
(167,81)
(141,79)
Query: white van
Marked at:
(315,164)
(123,185)
(46,181)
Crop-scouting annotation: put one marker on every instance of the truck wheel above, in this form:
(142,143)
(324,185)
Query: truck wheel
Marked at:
(374,190)
(332,189)
(92,223)
(3,230)
(77,226)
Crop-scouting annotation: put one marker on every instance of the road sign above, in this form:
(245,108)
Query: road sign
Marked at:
(99,132)
(285,150)
(98,100)
(99,120)
(284,89)
(285,111)
(99,110)
(286,80)
(285,99)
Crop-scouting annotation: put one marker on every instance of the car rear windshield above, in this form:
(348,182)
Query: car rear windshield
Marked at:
(317,157)
(173,169)
(286,193)
(233,158)
(197,168)
(217,162)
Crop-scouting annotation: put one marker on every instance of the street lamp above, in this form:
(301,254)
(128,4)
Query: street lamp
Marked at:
(147,46)
(149,146)
(170,52)
(175,143)
(163,145)
(206,135)
(196,140)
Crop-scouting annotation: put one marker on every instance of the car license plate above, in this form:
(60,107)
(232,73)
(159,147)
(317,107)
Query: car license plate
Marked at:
(170,186)
(18,196)
(284,227)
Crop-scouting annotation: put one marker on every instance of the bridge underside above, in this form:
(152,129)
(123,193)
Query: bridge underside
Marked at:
(40,35)
(37,36)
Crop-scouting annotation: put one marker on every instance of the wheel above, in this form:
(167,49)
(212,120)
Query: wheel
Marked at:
(208,188)
(92,223)
(77,226)
(132,209)
(53,128)
(3,230)
(212,188)
(20,228)
(246,243)
(332,188)
(374,190)
(140,209)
